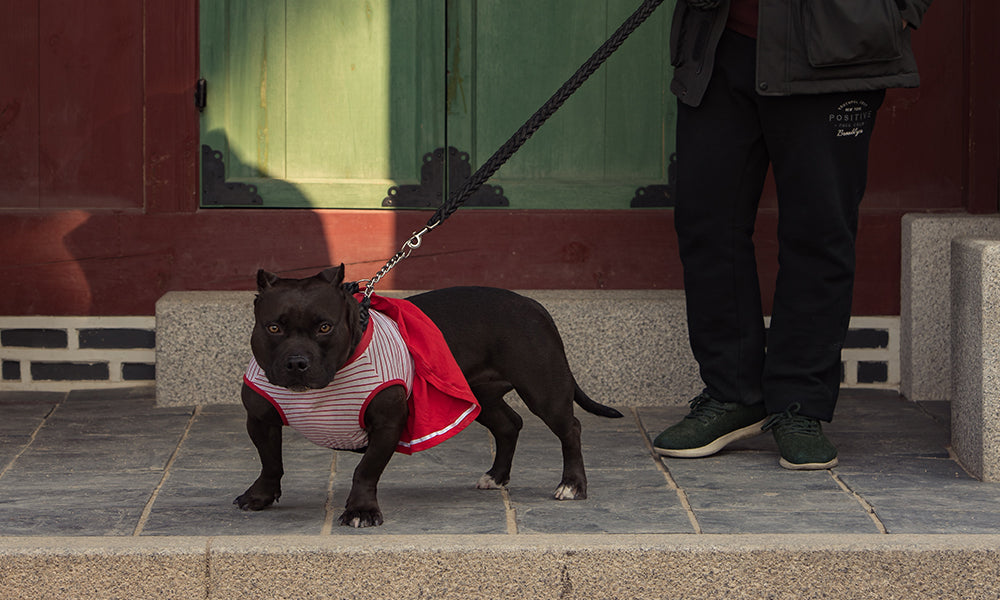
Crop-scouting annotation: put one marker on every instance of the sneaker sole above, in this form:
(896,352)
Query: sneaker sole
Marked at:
(808,466)
(718,444)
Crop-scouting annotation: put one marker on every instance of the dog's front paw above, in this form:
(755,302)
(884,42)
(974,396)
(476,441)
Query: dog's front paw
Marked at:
(258,497)
(486,482)
(361,518)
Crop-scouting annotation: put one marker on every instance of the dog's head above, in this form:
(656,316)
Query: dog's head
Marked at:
(304,329)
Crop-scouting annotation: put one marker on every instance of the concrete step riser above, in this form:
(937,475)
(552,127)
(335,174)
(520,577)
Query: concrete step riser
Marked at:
(373,566)
(625,347)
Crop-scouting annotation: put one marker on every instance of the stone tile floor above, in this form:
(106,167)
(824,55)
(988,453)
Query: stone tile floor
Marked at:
(111,463)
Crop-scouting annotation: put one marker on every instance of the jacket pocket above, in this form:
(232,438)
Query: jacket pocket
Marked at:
(851,32)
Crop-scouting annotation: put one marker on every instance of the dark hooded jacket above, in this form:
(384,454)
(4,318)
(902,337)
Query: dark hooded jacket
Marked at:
(804,46)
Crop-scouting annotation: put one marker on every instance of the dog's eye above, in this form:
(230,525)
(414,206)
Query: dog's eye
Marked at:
(325,328)
(274,328)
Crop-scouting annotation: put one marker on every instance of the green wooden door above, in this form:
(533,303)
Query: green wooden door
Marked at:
(330,103)
(320,103)
(614,135)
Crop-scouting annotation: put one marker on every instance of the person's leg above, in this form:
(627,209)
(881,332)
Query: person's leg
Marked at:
(721,166)
(819,148)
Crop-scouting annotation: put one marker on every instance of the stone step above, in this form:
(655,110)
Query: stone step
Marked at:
(624,346)
(467,567)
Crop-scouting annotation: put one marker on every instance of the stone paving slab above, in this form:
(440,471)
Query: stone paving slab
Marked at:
(104,495)
(110,463)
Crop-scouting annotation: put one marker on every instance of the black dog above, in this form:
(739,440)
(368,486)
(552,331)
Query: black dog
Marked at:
(306,330)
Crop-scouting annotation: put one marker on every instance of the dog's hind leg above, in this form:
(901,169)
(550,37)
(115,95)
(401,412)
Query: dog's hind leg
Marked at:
(558,416)
(505,425)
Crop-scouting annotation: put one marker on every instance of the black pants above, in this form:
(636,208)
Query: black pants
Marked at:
(817,146)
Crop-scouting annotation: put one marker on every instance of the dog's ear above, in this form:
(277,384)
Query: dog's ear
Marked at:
(334,275)
(265,279)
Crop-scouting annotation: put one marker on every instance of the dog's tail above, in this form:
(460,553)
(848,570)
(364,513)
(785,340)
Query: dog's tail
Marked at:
(594,407)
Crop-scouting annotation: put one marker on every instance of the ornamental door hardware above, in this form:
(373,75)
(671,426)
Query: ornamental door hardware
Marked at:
(430,192)
(216,191)
(658,195)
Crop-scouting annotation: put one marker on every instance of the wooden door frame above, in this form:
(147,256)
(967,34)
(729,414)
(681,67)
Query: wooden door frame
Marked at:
(981,115)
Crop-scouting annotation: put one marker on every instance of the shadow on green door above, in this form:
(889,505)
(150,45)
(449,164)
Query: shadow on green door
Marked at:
(332,104)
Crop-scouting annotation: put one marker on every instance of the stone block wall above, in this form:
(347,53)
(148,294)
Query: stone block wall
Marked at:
(63,353)
(925,302)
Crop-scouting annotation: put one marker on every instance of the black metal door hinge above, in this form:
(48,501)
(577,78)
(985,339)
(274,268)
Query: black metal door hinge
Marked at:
(201,94)
(658,195)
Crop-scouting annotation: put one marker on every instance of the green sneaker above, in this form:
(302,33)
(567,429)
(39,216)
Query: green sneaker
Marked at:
(801,441)
(709,427)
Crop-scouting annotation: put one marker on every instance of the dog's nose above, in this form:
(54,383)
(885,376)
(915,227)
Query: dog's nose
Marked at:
(297,363)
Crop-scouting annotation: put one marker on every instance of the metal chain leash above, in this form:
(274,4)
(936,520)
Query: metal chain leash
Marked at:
(472,185)
(408,247)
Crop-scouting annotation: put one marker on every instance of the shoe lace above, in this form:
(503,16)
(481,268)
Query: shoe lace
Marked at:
(791,422)
(704,408)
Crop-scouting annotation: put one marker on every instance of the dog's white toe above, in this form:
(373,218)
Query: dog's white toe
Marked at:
(565,492)
(487,483)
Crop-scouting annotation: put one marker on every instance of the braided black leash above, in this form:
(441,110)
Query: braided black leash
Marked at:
(473,183)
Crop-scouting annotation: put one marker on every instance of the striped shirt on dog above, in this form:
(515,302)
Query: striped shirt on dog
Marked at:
(333,417)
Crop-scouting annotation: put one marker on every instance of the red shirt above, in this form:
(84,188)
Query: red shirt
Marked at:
(743,17)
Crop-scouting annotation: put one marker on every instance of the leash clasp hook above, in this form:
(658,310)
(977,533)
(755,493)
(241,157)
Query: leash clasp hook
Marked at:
(407,248)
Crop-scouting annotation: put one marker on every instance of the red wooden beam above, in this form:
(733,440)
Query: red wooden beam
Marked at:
(120,263)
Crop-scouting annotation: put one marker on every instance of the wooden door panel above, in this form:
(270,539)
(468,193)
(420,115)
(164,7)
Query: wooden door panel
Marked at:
(323,103)
(613,135)
(329,104)
(19,123)
(71,105)
(90,105)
